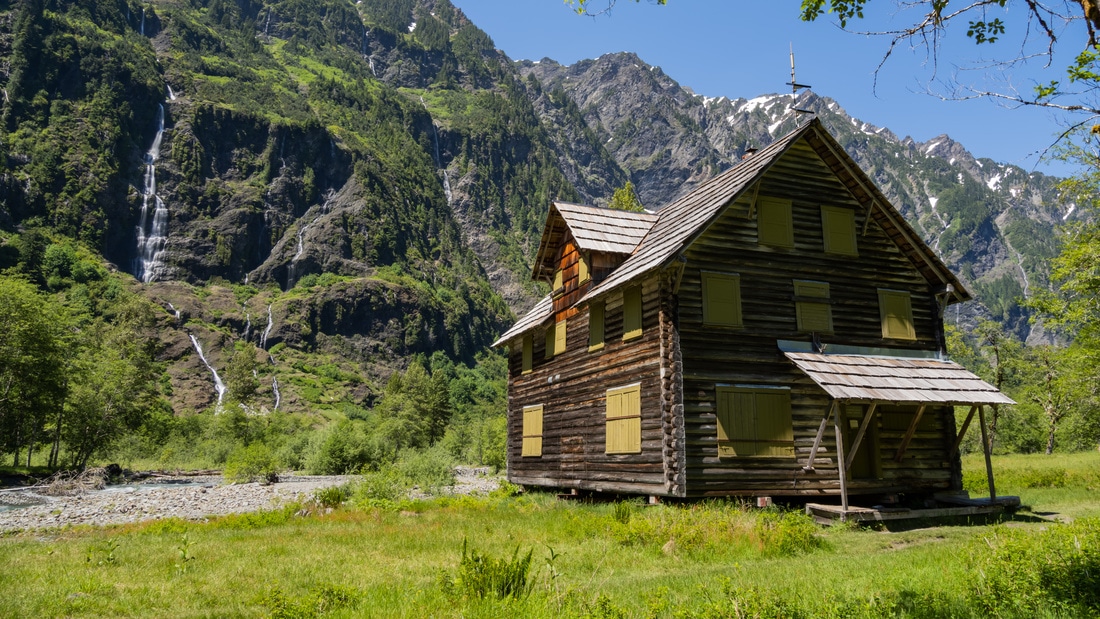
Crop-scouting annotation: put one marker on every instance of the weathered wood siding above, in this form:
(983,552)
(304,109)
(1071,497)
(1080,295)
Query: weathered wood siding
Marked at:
(572,389)
(749,355)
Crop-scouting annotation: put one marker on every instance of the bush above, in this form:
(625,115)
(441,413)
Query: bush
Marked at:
(333,496)
(380,488)
(430,469)
(788,533)
(342,448)
(252,463)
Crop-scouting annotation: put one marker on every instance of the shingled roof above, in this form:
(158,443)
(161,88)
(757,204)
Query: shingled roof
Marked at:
(595,229)
(895,379)
(687,218)
(678,224)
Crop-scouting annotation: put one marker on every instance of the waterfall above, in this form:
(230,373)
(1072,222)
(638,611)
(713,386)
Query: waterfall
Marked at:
(275,390)
(267,24)
(365,51)
(175,312)
(142,21)
(150,244)
(267,329)
(247,322)
(219,386)
(438,160)
(292,272)
(171,95)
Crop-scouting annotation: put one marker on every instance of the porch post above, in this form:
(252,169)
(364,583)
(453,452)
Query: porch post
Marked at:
(817,440)
(985,449)
(840,465)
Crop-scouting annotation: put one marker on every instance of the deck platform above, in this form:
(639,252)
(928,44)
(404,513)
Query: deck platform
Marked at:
(948,506)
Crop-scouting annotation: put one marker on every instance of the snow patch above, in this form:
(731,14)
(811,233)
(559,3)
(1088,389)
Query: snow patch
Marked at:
(758,102)
(1072,207)
(933,200)
(412,26)
(994,182)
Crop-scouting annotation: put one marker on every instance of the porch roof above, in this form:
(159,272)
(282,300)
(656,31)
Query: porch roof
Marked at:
(901,380)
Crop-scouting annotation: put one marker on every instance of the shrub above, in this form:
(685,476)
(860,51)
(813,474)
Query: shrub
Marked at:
(787,533)
(380,488)
(332,496)
(342,448)
(252,463)
(430,469)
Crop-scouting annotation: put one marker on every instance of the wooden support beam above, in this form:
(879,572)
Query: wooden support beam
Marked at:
(962,431)
(985,449)
(859,435)
(752,200)
(909,433)
(841,465)
(817,440)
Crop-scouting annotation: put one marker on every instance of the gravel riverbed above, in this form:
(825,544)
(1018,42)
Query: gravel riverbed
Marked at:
(190,498)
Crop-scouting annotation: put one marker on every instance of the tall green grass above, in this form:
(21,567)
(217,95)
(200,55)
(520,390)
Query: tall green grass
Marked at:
(395,558)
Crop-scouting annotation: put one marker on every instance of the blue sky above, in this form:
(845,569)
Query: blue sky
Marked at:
(740,48)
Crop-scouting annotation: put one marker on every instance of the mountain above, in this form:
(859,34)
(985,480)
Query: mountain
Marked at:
(994,224)
(340,187)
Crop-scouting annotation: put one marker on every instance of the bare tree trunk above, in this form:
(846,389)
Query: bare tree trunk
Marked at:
(55,451)
(1050,438)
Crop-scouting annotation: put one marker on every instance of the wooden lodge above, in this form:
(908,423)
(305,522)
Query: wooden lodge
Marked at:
(706,349)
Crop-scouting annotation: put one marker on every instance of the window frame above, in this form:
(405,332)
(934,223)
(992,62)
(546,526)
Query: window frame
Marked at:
(771,214)
(531,442)
(623,431)
(804,298)
(633,313)
(556,339)
(707,280)
(730,428)
(839,215)
(597,314)
(884,297)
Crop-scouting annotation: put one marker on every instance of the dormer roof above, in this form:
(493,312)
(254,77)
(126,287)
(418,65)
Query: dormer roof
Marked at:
(593,228)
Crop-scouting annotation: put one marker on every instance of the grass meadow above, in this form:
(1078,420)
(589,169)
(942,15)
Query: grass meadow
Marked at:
(363,554)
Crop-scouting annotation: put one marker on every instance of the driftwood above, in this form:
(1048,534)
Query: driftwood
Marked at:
(65,483)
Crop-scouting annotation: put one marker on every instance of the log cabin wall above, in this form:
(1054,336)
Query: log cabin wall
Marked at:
(572,388)
(749,355)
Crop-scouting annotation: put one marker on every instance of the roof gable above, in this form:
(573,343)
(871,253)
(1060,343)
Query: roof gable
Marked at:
(592,228)
(683,221)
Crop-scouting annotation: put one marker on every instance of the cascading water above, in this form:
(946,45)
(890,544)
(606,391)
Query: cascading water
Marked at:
(275,390)
(247,322)
(143,21)
(219,386)
(175,312)
(292,271)
(438,160)
(171,95)
(267,329)
(365,51)
(152,237)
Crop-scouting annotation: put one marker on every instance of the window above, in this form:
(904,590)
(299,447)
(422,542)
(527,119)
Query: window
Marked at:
(773,222)
(838,230)
(582,273)
(528,355)
(896,314)
(555,339)
(721,299)
(632,313)
(624,420)
(811,303)
(532,431)
(556,286)
(754,421)
(595,326)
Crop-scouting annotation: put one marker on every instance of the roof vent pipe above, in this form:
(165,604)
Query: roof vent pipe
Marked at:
(749,152)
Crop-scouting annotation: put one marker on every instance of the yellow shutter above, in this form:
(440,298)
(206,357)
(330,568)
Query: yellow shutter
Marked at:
(722,299)
(527,353)
(812,315)
(896,314)
(754,422)
(624,420)
(582,265)
(838,230)
(532,431)
(551,338)
(774,435)
(773,221)
(557,279)
(559,338)
(632,313)
(595,326)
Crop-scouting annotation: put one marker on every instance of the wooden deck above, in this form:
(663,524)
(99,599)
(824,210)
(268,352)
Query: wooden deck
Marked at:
(948,506)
